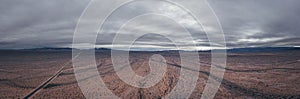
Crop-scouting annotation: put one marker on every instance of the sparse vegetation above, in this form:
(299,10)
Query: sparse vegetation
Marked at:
(248,75)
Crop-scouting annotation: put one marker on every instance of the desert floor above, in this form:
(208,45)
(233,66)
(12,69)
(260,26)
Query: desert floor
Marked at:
(247,75)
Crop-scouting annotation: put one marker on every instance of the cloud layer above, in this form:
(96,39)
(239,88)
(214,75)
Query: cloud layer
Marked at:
(51,23)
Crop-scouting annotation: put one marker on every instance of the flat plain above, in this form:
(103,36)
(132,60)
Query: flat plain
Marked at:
(247,75)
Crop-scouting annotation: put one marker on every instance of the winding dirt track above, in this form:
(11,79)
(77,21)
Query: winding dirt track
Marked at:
(232,87)
(239,89)
(44,84)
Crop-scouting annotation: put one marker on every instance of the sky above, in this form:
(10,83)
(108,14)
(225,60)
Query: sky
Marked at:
(246,23)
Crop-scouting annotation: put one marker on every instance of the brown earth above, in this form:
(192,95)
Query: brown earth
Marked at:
(247,75)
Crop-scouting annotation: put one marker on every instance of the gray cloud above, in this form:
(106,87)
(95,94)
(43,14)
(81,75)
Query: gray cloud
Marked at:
(38,23)
(51,23)
(257,20)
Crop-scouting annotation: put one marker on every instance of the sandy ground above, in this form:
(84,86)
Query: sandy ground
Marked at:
(248,75)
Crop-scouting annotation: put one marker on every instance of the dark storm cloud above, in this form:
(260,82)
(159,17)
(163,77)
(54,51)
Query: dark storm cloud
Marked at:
(273,22)
(246,23)
(38,23)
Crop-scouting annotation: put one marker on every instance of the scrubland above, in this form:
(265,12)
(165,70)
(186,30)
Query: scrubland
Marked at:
(247,75)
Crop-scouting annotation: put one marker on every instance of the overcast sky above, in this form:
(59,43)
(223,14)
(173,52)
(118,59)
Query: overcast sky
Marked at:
(246,23)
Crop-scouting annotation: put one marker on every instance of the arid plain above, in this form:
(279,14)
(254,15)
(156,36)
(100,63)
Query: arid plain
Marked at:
(247,75)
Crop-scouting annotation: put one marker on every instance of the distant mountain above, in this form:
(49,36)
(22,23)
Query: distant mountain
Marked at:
(263,49)
(62,49)
(50,49)
(234,50)
(103,49)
